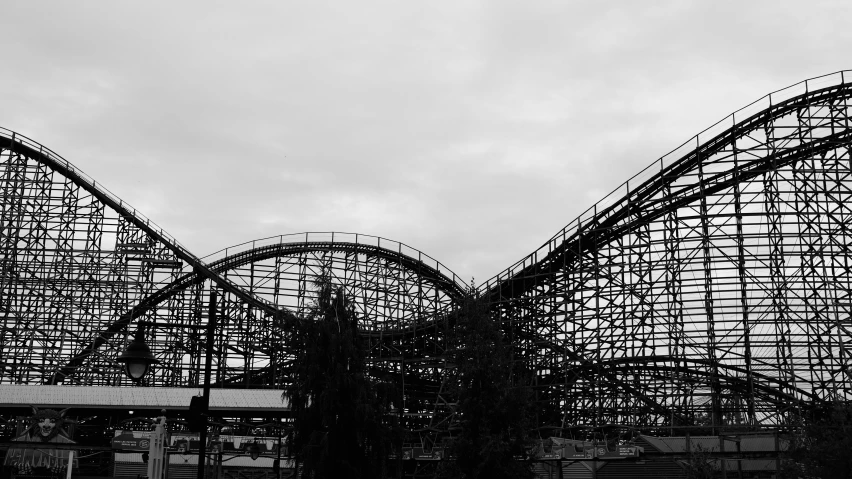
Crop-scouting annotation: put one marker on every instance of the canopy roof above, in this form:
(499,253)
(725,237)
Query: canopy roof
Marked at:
(239,402)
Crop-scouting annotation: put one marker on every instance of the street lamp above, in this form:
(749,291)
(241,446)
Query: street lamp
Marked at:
(138,359)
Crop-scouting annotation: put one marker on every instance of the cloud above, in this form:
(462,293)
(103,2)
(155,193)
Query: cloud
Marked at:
(470,130)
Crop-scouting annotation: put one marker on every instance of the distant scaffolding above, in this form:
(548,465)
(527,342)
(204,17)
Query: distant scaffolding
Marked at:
(711,289)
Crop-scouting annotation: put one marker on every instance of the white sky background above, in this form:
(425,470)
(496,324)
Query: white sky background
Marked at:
(472,131)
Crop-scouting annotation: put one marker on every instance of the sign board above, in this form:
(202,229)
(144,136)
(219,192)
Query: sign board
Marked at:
(132,440)
(420,454)
(622,452)
(590,451)
(188,442)
(547,456)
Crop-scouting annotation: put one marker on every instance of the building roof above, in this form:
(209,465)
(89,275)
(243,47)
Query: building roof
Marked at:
(99,397)
(748,443)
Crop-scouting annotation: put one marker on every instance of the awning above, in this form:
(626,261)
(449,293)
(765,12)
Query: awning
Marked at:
(228,402)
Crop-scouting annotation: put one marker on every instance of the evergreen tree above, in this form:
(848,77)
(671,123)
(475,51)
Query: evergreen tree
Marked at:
(820,443)
(337,408)
(700,464)
(494,401)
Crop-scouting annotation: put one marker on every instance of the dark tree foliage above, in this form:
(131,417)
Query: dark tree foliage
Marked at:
(820,444)
(494,400)
(338,410)
(700,464)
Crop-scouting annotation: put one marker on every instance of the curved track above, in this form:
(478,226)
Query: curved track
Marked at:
(731,254)
(282,271)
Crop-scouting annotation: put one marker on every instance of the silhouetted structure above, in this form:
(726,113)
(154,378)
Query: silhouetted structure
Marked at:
(712,289)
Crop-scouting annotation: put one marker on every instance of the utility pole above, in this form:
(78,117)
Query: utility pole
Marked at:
(205,401)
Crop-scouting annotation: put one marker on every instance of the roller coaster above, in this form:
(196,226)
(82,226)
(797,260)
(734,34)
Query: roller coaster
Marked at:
(713,287)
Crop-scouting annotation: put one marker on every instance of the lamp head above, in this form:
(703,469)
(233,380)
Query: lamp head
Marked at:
(137,358)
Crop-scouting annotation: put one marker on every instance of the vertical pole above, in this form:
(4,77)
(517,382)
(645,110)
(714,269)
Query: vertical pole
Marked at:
(208,366)
(156,449)
(777,454)
(401,411)
(739,458)
(70,464)
(278,474)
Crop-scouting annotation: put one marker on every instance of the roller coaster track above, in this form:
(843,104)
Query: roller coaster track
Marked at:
(611,222)
(610,282)
(723,267)
(242,258)
(22,145)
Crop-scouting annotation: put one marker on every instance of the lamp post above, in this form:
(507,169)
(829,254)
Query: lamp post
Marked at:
(138,360)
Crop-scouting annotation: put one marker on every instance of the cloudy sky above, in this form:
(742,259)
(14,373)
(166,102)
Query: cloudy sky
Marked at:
(470,130)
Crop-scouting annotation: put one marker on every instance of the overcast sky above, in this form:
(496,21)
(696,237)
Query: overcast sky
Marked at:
(472,131)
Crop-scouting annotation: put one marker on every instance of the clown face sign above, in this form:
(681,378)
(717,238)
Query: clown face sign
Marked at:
(46,426)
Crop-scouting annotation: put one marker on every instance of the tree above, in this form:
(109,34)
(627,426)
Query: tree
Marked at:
(820,443)
(494,401)
(700,464)
(337,409)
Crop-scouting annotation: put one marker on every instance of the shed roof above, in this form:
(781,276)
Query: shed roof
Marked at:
(748,443)
(99,397)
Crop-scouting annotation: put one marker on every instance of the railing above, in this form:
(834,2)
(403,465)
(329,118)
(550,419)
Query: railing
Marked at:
(121,207)
(339,237)
(623,190)
(88,181)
